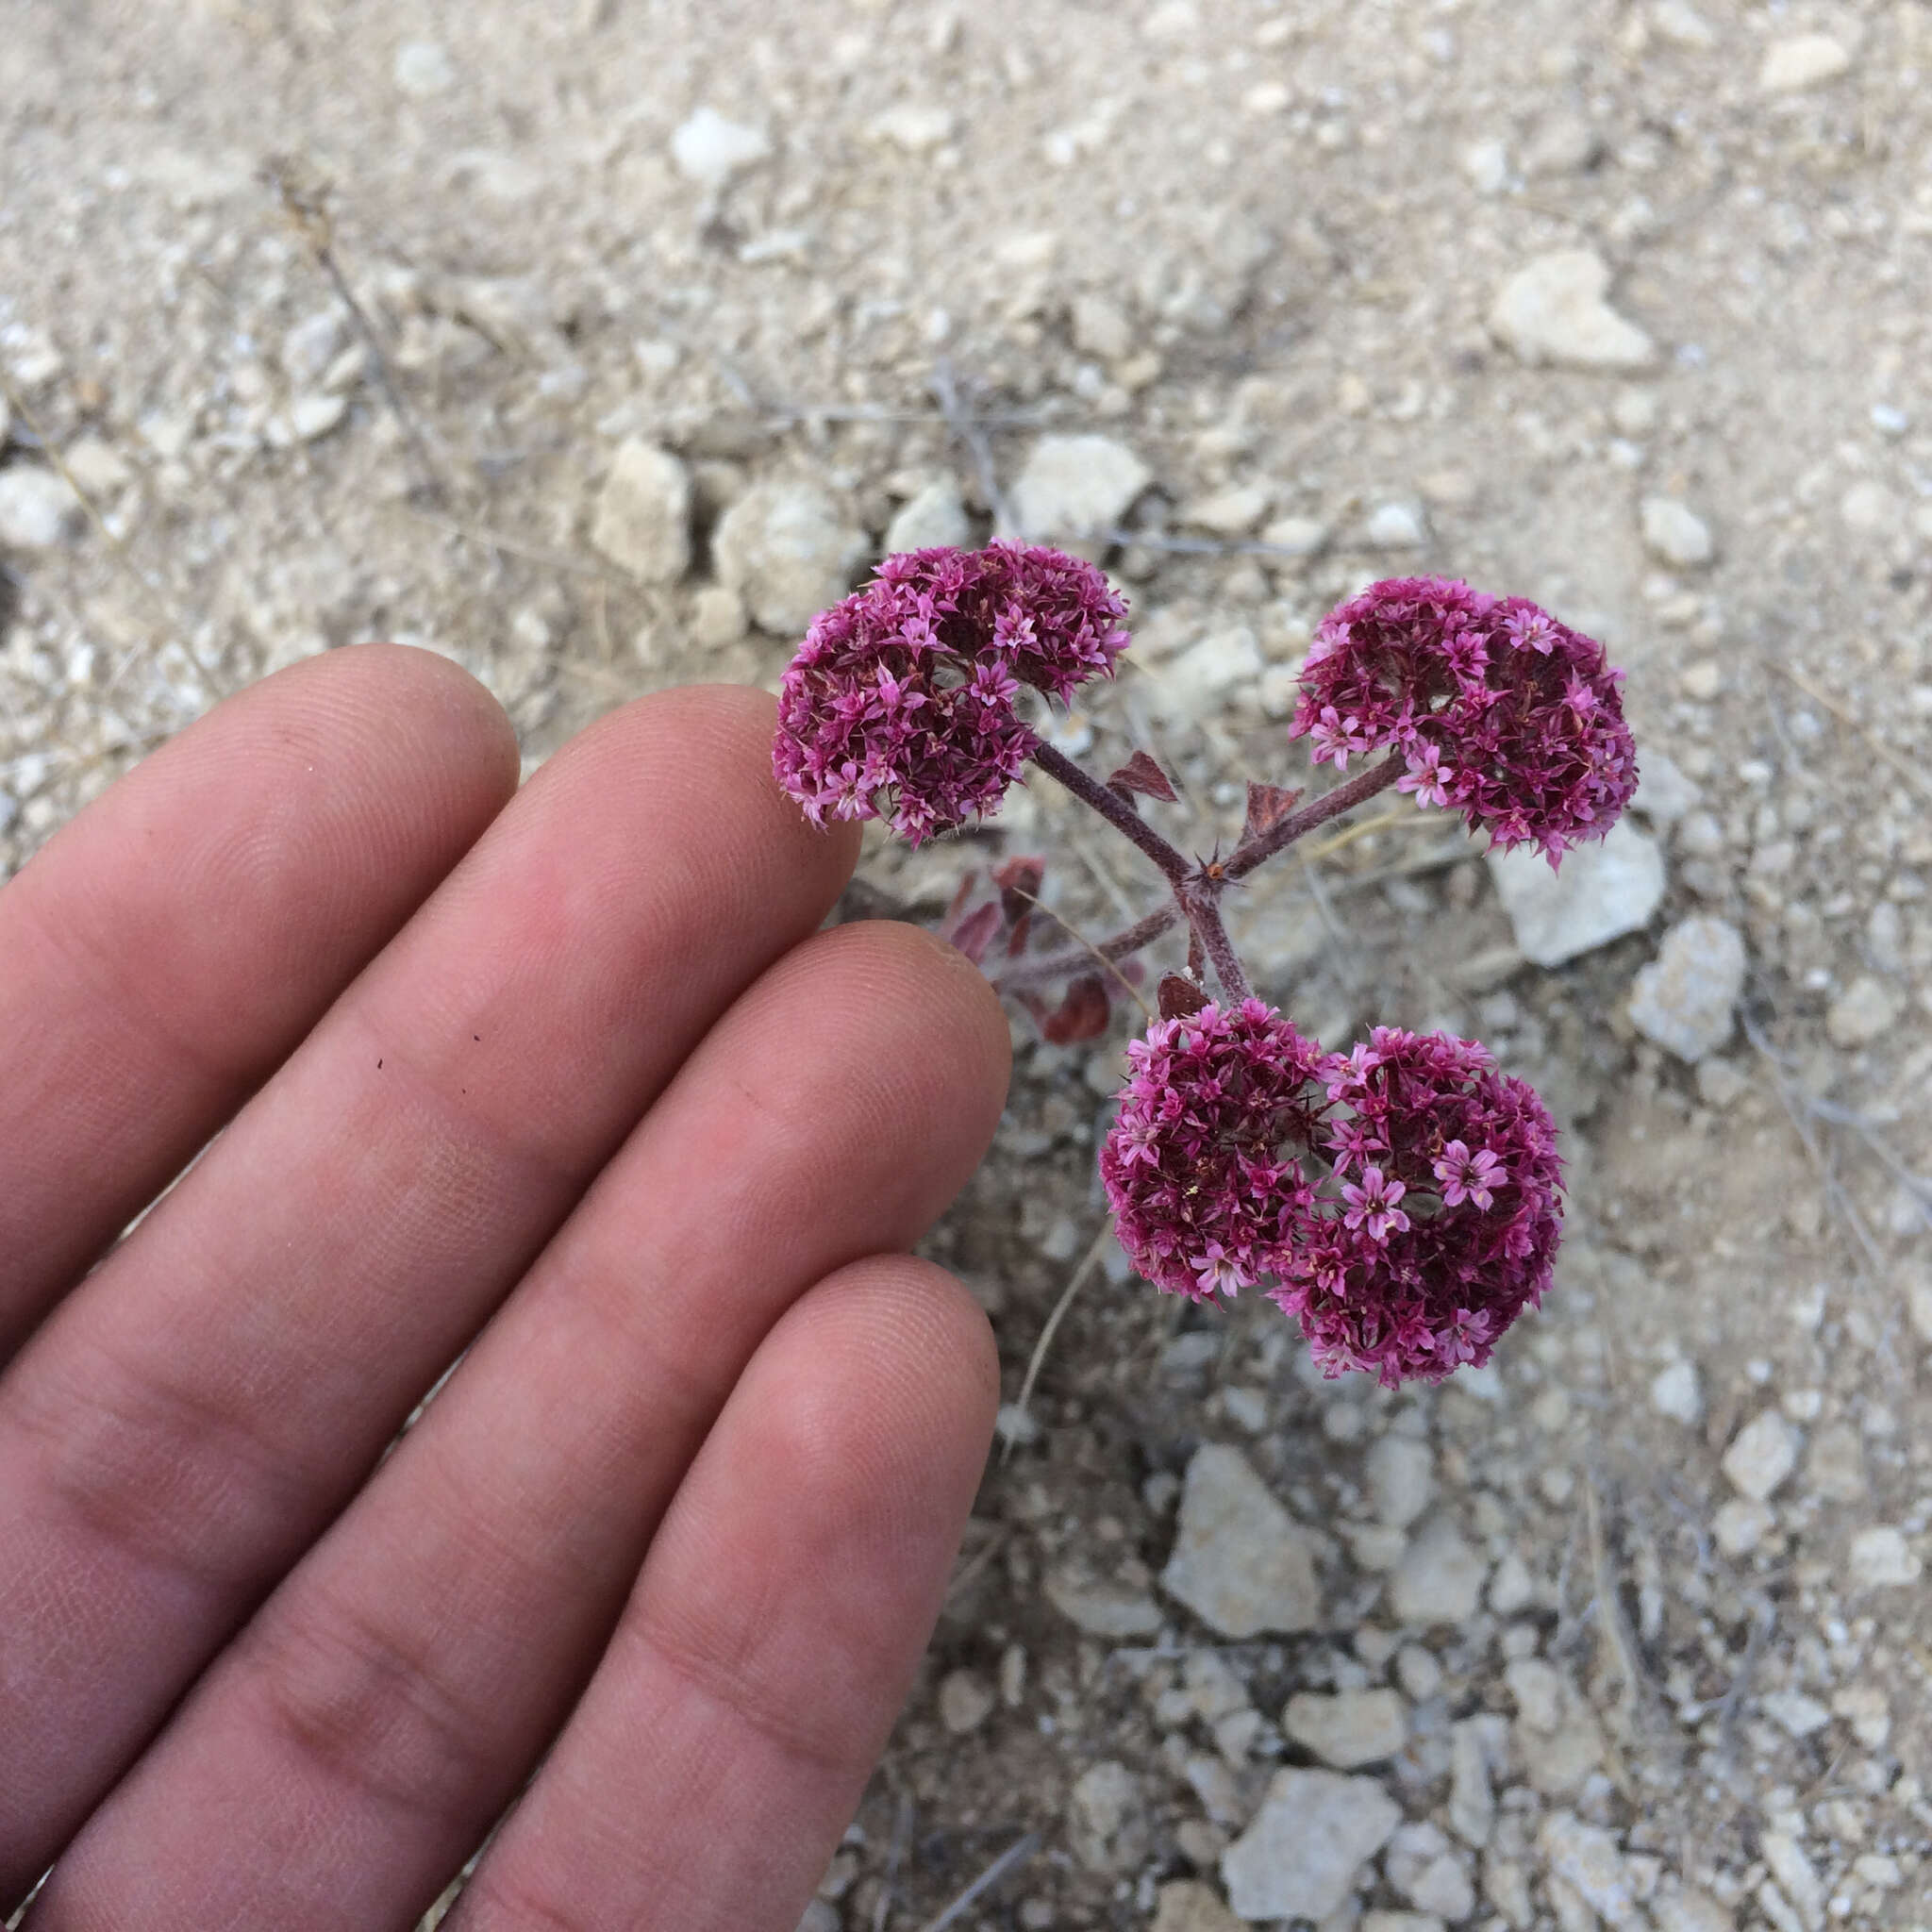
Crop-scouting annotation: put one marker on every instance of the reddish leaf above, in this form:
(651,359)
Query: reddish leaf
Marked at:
(974,933)
(1140,773)
(1179,998)
(1082,1015)
(1018,882)
(1268,805)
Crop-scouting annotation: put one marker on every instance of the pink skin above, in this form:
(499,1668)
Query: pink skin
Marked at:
(568,1078)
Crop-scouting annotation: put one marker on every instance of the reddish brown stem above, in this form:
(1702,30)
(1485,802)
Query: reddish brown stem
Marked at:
(1114,809)
(1330,805)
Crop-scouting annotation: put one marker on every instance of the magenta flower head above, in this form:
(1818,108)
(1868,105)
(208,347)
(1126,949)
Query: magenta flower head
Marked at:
(1203,1164)
(899,704)
(1441,1222)
(1500,712)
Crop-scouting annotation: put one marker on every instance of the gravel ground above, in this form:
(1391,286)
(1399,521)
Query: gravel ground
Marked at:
(1623,307)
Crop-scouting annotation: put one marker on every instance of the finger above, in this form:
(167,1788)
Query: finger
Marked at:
(170,946)
(187,1422)
(725,1740)
(388,1701)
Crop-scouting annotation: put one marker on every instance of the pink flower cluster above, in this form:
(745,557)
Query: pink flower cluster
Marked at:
(1500,712)
(1203,1162)
(1446,1214)
(900,701)
(1405,1195)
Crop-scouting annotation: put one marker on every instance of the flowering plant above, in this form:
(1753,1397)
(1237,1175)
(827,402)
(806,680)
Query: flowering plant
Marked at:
(1402,1199)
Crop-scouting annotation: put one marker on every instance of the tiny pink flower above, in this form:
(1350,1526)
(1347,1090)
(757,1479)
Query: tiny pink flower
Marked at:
(1427,776)
(1373,1205)
(1467,1176)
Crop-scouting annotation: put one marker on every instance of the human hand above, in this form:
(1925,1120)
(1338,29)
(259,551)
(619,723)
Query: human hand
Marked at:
(570,1080)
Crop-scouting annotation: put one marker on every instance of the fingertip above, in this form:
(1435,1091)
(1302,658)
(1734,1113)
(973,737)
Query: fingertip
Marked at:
(962,1027)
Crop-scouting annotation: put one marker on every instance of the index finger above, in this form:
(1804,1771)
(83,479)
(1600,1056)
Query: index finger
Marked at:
(173,945)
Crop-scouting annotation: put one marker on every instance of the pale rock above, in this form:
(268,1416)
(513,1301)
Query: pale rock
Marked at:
(1100,328)
(1682,26)
(97,467)
(821,1915)
(1918,1307)
(1512,1588)
(1867,1010)
(1440,1578)
(1487,164)
(1665,793)
(1384,1921)
(1106,1824)
(1801,61)
(643,520)
(1687,999)
(1241,1562)
(1506,1885)
(1557,1761)
(1564,143)
(1074,486)
(1443,1889)
(1553,311)
(1212,1685)
(312,344)
(966,1701)
(1587,1858)
(1418,1673)
(1347,1728)
(1868,509)
(1395,527)
(708,149)
(1188,1905)
(1865,1708)
(1795,1713)
(1836,1467)
(1762,1453)
(1314,1832)
(312,417)
(1740,1526)
(933,519)
(717,617)
(1881,1559)
(1376,1547)
(1230,512)
(1401,1471)
(1606,889)
(1172,22)
(423,70)
(1677,1391)
(1202,679)
(1797,1878)
(788,550)
(1685,1909)
(1720,1085)
(1101,1609)
(1673,533)
(1473,1743)
(917,127)
(38,508)
(1297,537)
(1422,1865)
(1539,1691)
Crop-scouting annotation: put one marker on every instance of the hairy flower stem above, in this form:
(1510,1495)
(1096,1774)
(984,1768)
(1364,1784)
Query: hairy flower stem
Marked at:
(1330,805)
(1033,976)
(1114,809)
(1203,916)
